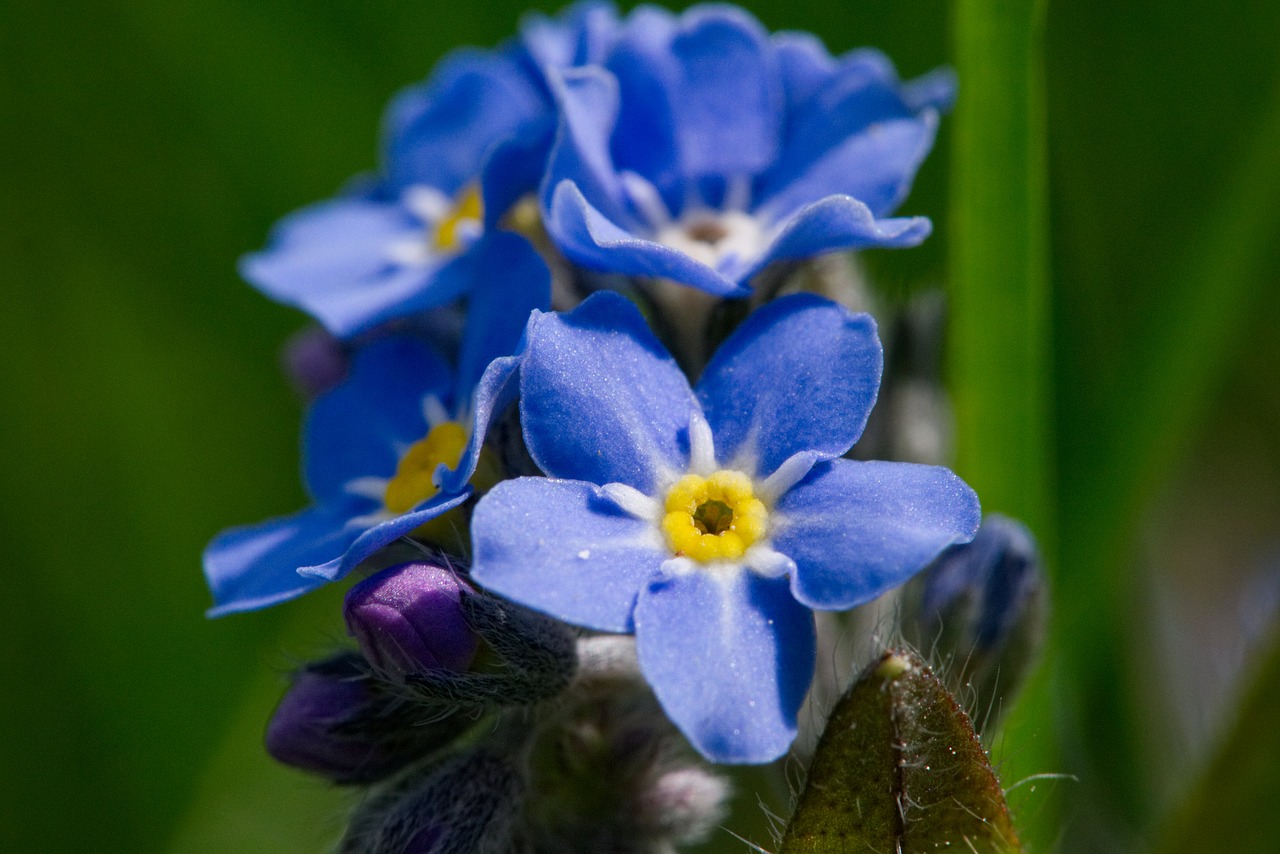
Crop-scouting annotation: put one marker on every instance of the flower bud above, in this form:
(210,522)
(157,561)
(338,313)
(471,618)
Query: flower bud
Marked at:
(408,620)
(338,721)
(980,608)
(525,657)
(314,361)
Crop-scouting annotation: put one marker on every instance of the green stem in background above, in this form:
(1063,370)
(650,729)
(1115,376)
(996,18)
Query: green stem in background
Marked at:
(1001,330)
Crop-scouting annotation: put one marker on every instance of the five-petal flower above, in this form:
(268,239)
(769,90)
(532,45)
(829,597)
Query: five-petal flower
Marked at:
(709,521)
(701,150)
(391,448)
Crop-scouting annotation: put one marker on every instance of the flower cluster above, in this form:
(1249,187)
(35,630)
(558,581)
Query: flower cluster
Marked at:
(657,180)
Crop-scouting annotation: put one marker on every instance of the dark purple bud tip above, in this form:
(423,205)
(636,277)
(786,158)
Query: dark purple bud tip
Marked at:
(310,727)
(992,582)
(408,620)
(314,361)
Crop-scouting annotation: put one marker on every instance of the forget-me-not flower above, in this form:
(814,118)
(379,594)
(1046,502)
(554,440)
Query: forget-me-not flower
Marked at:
(393,447)
(709,521)
(407,240)
(701,150)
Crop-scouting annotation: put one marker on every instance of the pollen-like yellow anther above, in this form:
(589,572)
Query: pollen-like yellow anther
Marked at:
(412,483)
(715,518)
(468,208)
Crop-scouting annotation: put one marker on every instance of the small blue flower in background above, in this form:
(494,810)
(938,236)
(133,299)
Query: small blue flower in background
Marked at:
(459,150)
(710,521)
(392,447)
(702,150)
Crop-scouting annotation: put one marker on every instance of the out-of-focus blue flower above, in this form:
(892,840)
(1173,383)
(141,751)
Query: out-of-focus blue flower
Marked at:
(392,447)
(709,521)
(459,149)
(702,150)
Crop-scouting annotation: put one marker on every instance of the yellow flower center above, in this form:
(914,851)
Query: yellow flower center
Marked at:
(412,483)
(467,208)
(713,518)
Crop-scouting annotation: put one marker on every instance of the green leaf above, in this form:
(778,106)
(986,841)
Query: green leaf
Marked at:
(999,284)
(899,768)
(1000,333)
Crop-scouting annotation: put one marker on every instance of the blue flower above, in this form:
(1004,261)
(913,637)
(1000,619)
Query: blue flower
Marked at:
(407,240)
(391,448)
(702,151)
(709,521)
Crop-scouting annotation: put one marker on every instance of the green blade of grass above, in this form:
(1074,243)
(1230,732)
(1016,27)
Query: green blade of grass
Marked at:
(1000,333)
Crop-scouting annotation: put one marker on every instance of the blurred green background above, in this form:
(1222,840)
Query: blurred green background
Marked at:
(1135,394)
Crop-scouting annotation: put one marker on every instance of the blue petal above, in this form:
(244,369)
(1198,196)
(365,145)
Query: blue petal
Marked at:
(858,529)
(577,36)
(591,240)
(643,137)
(935,90)
(800,374)
(726,99)
(510,281)
(515,169)
(371,539)
(360,428)
(333,260)
(588,100)
(600,398)
(730,657)
(256,566)
(497,390)
(559,547)
(860,92)
(838,223)
(411,292)
(439,132)
(875,166)
(804,64)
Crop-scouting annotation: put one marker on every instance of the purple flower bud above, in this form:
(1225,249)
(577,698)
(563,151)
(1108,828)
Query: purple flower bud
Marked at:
(339,720)
(409,620)
(992,580)
(315,726)
(314,361)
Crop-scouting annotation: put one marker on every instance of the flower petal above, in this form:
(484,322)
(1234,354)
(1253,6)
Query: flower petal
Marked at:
(592,240)
(577,36)
(804,64)
(875,166)
(643,137)
(334,261)
(370,540)
(359,428)
(257,565)
(601,400)
(511,280)
(439,132)
(588,101)
(858,529)
(496,391)
(726,99)
(838,223)
(564,549)
(730,655)
(800,374)
(514,170)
